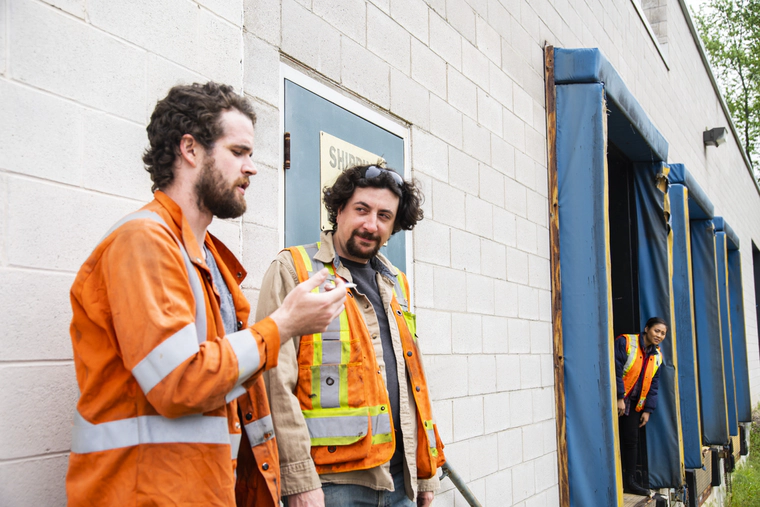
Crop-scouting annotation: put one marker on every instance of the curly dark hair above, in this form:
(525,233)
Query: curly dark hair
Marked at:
(193,109)
(410,196)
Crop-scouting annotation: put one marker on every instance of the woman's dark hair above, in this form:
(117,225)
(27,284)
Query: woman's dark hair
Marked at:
(194,109)
(410,196)
(654,321)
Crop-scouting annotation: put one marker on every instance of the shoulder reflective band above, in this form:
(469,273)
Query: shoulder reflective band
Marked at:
(260,430)
(632,349)
(195,282)
(247,351)
(400,291)
(152,429)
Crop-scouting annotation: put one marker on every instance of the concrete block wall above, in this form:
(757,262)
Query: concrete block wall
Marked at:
(78,81)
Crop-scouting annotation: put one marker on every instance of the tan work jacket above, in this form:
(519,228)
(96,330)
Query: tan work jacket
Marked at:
(156,423)
(296,465)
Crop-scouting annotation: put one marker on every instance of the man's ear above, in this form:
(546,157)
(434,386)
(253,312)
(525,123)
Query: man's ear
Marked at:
(189,150)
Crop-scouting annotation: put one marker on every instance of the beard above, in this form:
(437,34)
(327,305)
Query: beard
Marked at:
(355,251)
(216,195)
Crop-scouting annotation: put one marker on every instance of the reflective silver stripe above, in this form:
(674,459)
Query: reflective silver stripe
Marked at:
(147,429)
(399,293)
(634,344)
(194,279)
(381,423)
(329,380)
(248,358)
(342,426)
(165,357)
(235,439)
(431,438)
(260,430)
(331,351)
(236,393)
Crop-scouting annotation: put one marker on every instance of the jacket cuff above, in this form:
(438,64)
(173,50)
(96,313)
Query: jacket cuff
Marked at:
(299,477)
(431,484)
(270,335)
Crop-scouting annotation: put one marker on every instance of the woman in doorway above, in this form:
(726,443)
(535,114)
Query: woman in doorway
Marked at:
(637,363)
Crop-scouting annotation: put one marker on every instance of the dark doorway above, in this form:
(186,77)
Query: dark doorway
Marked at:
(756,269)
(623,243)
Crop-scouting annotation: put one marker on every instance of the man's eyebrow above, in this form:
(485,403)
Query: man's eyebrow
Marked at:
(240,146)
(362,203)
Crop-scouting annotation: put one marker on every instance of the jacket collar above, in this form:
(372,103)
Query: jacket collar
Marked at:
(327,255)
(179,223)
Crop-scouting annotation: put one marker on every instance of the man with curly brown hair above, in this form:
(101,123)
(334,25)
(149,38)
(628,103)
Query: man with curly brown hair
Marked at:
(167,366)
(351,406)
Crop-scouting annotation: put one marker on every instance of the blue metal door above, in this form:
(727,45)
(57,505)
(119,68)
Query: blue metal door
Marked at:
(306,116)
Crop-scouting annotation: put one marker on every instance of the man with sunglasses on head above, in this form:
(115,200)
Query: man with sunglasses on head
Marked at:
(350,405)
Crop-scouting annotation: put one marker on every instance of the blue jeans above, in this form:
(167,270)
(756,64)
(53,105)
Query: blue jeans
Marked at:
(351,495)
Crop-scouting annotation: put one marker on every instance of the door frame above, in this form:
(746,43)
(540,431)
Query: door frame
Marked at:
(354,106)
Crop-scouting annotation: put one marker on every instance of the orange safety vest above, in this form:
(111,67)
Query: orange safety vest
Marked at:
(157,423)
(633,366)
(342,394)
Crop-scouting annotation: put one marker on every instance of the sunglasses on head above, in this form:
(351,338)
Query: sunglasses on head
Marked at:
(374,171)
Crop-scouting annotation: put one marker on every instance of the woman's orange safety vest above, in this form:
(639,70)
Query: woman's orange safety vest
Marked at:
(342,394)
(633,366)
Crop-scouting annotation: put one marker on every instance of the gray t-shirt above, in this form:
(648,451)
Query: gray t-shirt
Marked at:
(227,306)
(365,278)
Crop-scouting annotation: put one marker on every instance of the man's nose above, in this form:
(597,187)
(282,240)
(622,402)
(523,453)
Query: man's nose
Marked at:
(249,168)
(370,222)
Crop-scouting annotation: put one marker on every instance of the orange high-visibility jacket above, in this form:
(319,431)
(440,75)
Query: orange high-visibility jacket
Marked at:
(635,363)
(156,423)
(344,399)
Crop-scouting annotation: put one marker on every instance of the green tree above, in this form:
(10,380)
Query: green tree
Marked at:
(730,31)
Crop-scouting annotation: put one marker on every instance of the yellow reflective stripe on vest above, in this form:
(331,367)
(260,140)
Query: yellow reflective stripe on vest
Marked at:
(631,348)
(345,426)
(430,431)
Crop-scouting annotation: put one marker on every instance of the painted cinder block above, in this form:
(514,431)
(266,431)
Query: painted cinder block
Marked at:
(527,235)
(483,461)
(523,481)
(500,85)
(535,145)
(447,374)
(481,371)
(517,266)
(507,372)
(424,285)
(262,18)
(428,68)
(547,370)
(35,481)
(261,69)
(3,220)
(162,75)
(431,243)
(499,488)
(260,247)
(539,272)
(445,121)
(543,404)
(495,335)
(168,29)
(36,314)
(480,294)
(429,155)
(221,53)
(477,140)
(230,11)
(489,112)
(510,448)
(31,116)
(514,130)
(462,93)
(388,40)
(475,64)
(463,170)
(309,39)
(434,331)
(488,40)
(530,371)
(466,331)
(540,337)
(443,413)
(374,80)
(32,394)
(262,194)
(504,227)
(496,410)
(479,216)
(538,209)
(525,169)
(3,36)
(413,16)
(548,476)
(491,185)
(528,302)
(505,298)
(494,259)
(348,17)
(115,167)
(410,100)
(465,251)
(92,68)
(524,400)
(519,335)
(68,223)
(468,417)
(533,443)
(267,135)
(448,205)
(228,231)
(461,18)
